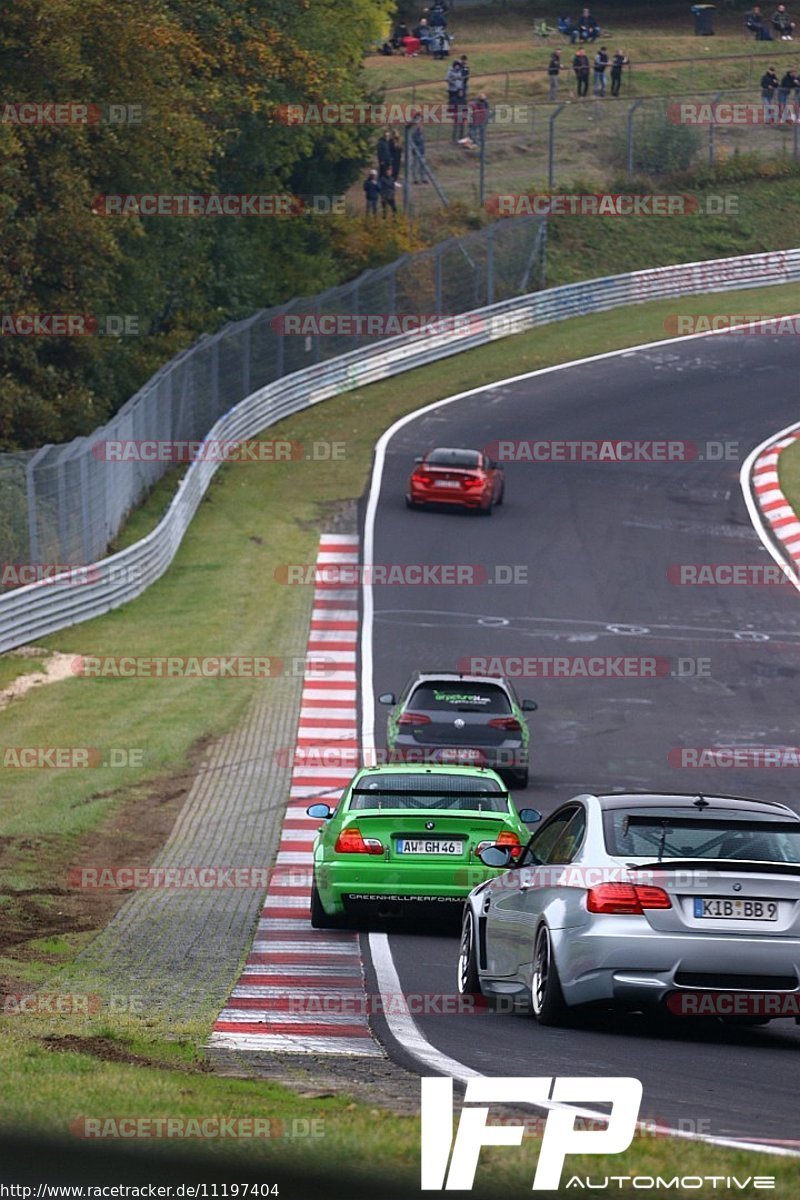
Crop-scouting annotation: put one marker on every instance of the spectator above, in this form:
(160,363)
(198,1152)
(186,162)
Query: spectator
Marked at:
(385,154)
(396,151)
(440,43)
(617,63)
(372,190)
(400,32)
(387,186)
(453,84)
(769,85)
(464,78)
(438,17)
(782,23)
(419,172)
(553,70)
(566,25)
(756,23)
(788,84)
(580,65)
(587,29)
(424,33)
(479,118)
(600,64)
(797,93)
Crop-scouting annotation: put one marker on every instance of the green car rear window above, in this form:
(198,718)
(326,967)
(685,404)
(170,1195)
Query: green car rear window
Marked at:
(459,697)
(450,793)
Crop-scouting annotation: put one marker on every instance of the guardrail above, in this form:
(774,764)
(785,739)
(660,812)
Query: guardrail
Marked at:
(41,608)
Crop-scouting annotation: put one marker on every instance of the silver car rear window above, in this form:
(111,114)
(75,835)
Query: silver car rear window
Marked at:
(675,833)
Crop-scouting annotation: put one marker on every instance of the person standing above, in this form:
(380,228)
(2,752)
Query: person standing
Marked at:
(384,154)
(396,150)
(600,64)
(387,186)
(617,63)
(417,150)
(372,191)
(553,69)
(784,88)
(580,65)
(769,86)
(478,119)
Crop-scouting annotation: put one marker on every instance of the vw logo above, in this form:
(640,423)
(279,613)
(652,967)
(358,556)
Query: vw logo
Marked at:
(459,724)
(737,887)
(430,824)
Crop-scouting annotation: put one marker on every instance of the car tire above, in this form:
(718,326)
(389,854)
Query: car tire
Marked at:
(502,495)
(320,919)
(410,503)
(487,511)
(547,999)
(469,983)
(519,779)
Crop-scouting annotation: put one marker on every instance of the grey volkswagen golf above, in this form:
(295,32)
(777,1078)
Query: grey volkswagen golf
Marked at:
(675,904)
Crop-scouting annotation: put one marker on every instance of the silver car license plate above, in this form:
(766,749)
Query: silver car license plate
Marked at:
(715,909)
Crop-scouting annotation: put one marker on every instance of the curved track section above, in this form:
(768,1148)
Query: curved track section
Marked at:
(605,547)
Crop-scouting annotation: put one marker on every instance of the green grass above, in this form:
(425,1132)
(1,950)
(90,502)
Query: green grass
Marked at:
(50,1092)
(789,474)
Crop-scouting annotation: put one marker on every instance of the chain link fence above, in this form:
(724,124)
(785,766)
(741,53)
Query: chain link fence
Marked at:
(598,141)
(63,504)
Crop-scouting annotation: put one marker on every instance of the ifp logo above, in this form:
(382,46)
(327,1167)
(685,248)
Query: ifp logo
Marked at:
(559,1139)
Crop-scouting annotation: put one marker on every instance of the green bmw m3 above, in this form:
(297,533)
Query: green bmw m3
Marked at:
(406,838)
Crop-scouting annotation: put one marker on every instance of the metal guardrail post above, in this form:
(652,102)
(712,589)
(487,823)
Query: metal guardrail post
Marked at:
(711,130)
(631,113)
(490,264)
(30,490)
(551,145)
(406,172)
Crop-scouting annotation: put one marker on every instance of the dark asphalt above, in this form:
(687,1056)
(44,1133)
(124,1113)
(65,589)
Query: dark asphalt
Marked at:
(597,540)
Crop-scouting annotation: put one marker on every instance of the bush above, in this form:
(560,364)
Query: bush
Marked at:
(659,147)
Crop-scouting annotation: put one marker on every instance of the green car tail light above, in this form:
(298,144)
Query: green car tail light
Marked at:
(352,841)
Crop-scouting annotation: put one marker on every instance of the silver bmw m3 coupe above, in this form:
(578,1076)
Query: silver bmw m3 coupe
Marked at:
(681,904)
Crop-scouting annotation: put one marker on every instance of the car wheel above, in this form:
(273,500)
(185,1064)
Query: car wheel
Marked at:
(502,495)
(410,503)
(487,511)
(320,919)
(468,980)
(547,999)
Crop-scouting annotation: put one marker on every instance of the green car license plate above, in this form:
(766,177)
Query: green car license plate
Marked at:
(428,846)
